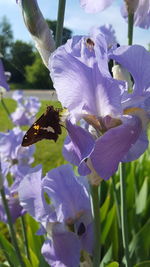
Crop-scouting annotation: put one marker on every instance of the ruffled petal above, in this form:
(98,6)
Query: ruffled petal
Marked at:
(114,145)
(31,197)
(137,149)
(82,140)
(63,251)
(72,78)
(91,6)
(63,187)
(136,59)
(70,154)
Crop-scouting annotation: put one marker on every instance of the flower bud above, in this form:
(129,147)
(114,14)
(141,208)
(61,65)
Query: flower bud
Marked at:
(38,28)
(131,5)
(119,73)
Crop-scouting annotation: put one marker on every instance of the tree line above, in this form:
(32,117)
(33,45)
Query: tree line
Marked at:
(23,61)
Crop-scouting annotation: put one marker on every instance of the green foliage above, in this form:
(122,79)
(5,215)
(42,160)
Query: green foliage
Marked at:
(6,36)
(37,75)
(21,55)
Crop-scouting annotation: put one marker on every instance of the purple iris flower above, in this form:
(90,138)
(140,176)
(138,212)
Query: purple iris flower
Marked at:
(27,107)
(13,153)
(12,197)
(116,119)
(3,82)
(109,33)
(67,220)
(141,9)
(14,207)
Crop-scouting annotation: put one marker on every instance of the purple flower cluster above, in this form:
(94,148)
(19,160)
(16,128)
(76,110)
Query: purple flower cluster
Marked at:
(27,107)
(15,163)
(115,116)
(67,220)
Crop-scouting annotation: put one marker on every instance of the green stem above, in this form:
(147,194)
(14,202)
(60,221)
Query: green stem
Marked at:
(130,28)
(124,223)
(97,230)
(11,228)
(60,22)
(23,225)
(116,200)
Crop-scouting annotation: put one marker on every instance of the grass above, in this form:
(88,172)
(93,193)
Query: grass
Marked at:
(48,153)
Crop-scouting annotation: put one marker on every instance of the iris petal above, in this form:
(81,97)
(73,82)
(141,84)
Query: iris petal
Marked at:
(113,145)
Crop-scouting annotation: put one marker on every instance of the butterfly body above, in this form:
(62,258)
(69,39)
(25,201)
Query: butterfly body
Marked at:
(46,127)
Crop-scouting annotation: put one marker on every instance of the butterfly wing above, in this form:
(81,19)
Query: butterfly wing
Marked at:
(46,127)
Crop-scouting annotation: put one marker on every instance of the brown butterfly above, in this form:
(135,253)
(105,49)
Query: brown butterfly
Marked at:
(46,127)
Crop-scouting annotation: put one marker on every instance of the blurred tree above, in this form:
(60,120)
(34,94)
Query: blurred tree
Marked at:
(37,75)
(6,36)
(21,55)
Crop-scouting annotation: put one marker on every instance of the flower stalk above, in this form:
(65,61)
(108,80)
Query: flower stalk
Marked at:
(124,224)
(23,225)
(97,229)
(116,201)
(60,22)
(130,28)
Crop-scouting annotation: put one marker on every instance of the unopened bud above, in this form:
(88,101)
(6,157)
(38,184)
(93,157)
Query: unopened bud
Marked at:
(38,28)
(131,5)
(119,73)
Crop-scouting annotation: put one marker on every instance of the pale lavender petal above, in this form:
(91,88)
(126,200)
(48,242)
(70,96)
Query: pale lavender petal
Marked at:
(74,91)
(137,149)
(95,6)
(64,189)
(20,117)
(63,251)
(14,207)
(114,145)
(17,95)
(70,154)
(87,239)
(82,140)
(31,196)
(109,34)
(85,78)
(136,59)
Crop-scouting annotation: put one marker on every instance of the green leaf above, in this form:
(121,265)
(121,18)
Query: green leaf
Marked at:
(107,225)
(141,199)
(26,261)
(143,264)
(140,242)
(104,208)
(8,251)
(107,257)
(34,258)
(112,264)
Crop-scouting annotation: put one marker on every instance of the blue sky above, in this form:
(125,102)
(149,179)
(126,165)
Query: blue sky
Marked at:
(75,19)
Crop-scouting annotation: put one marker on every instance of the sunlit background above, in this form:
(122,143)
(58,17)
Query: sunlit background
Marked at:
(75,19)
